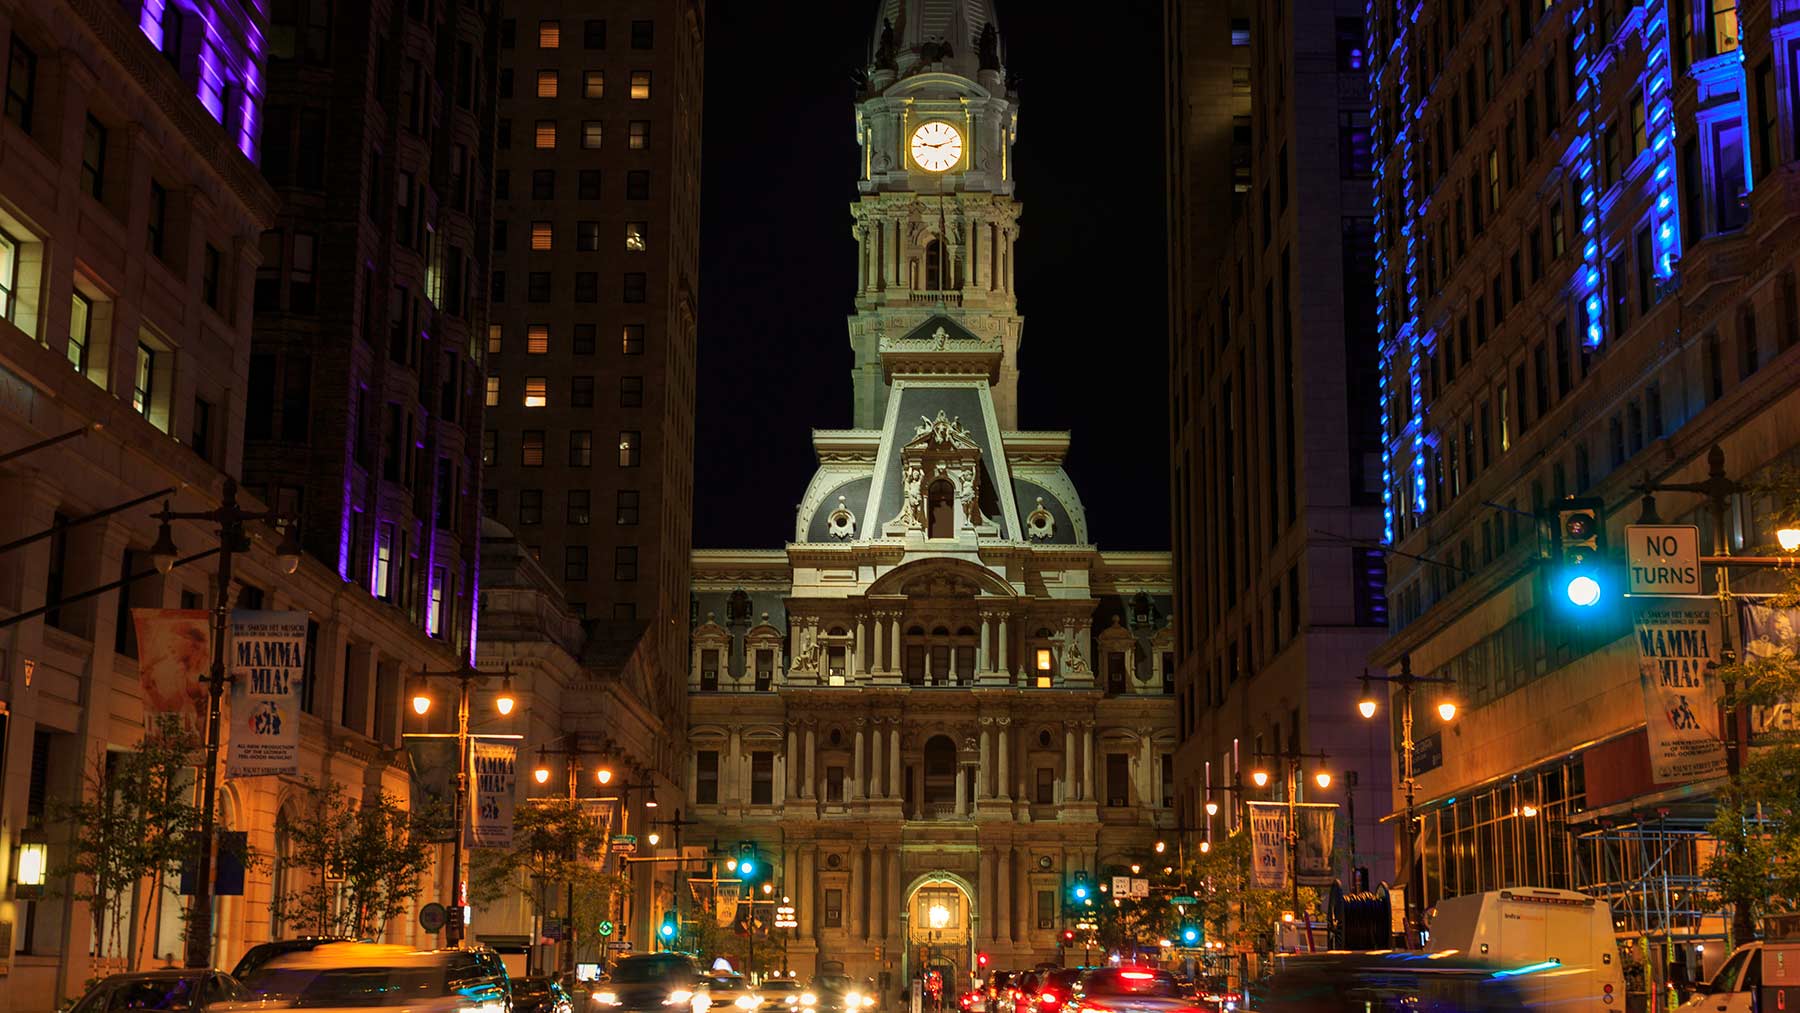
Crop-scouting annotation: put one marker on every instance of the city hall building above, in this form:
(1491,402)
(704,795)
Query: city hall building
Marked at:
(940,701)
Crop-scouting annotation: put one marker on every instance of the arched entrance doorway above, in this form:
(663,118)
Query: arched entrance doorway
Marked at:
(939,931)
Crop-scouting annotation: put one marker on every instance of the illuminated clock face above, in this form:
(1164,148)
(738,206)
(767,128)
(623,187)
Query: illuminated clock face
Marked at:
(936,146)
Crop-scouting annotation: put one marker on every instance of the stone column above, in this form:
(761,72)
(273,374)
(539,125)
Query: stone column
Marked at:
(778,790)
(856,776)
(895,903)
(807,787)
(985,890)
(962,780)
(804,898)
(861,665)
(731,790)
(893,785)
(854,924)
(792,769)
(1002,650)
(1003,789)
(894,640)
(1071,786)
(862,258)
(984,770)
(879,662)
(1008,930)
(982,658)
(1089,789)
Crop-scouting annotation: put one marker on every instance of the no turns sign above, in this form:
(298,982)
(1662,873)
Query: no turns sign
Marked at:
(1663,558)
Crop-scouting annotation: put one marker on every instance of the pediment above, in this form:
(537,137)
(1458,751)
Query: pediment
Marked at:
(940,330)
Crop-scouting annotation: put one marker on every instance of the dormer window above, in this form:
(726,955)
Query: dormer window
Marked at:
(709,671)
(942,508)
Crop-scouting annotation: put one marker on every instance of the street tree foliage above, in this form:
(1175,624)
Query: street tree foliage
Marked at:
(365,861)
(1230,910)
(1756,868)
(136,819)
(557,844)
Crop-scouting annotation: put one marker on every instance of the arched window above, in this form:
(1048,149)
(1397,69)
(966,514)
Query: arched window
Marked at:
(940,771)
(941,502)
(934,266)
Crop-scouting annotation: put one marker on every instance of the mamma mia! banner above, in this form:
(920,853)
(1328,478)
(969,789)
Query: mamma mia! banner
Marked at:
(495,764)
(1268,841)
(268,662)
(1678,643)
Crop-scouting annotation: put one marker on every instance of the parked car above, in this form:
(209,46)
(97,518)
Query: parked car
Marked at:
(540,994)
(653,983)
(351,976)
(173,990)
(726,989)
(1731,989)
(262,953)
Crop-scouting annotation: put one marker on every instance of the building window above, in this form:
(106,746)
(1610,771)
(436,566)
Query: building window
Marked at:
(531,448)
(9,275)
(578,511)
(158,220)
(211,269)
(587,236)
(593,84)
(546,84)
(531,506)
(625,562)
(1118,779)
(1046,786)
(631,391)
(637,184)
(593,133)
(834,899)
(490,447)
(640,84)
(627,507)
(636,284)
(593,33)
(21,84)
(581,391)
(543,236)
(709,670)
(81,323)
(587,286)
(93,159)
(549,34)
(632,339)
(1046,909)
(581,448)
(493,392)
(537,286)
(639,135)
(762,783)
(1721,26)
(543,184)
(384,561)
(202,429)
(546,134)
(635,233)
(643,34)
(575,562)
(537,339)
(536,392)
(587,184)
(706,765)
(143,384)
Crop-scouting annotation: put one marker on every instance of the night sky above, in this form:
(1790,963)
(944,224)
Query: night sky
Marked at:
(778,265)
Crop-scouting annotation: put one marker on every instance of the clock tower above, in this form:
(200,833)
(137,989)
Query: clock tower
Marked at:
(935,219)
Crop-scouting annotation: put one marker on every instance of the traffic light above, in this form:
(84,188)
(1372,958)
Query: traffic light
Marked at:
(1579,576)
(981,960)
(1190,935)
(1068,935)
(669,929)
(1081,890)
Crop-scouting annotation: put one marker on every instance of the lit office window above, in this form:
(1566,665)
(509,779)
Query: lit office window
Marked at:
(536,392)
(541,237)
(592,133)
(546,134)
(593,83)
(634,236)
(537,339)
(493,392)
(546,84)
(640,84)
(640,135)
(549,34)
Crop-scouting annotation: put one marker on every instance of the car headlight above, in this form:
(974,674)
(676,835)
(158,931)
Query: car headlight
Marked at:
(808,999)
(748,1002)
(678,997)
(853,999)
(607,998)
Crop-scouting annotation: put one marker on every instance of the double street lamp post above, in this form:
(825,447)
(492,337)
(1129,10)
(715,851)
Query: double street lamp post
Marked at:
(466,678)
(1293,759)
(1446,708)
(541,774)
(233,539)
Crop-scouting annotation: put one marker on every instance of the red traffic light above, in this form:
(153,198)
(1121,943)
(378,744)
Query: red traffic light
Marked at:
(981,960)
(1068,935)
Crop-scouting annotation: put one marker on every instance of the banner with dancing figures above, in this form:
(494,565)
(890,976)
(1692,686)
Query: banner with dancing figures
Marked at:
(495,766)
(1678,642)
(267,659)
(1268,839)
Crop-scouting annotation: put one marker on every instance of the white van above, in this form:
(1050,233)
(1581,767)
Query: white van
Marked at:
(1733,988)
(1557,945)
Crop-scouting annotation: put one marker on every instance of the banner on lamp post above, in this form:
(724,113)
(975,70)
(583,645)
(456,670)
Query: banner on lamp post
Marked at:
(1268,842)
(268,663)
(432,798)
(174,658)
(1678,670)
(1771,632)
(1317,823)
(494,765)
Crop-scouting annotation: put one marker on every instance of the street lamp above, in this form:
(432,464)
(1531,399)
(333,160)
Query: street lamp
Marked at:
(1407,681)
(233,539)
(1323,778)
(1291,759)
(1788,538)
(465,677)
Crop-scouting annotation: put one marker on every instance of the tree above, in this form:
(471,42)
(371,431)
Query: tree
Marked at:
(367,861)
(558,846)
(1234,913)
(136,819)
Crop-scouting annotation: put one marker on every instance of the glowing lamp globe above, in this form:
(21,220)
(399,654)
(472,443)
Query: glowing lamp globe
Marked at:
(1788,539)
(1447,710)
(1260,778)
(541,774)
(1583,591)
(1367,707)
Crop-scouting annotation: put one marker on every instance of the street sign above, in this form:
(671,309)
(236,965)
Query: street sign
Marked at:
(624,844)
(1121,886)
(606,928)
(1140,888)
(1183,900)
(622,944)
(1663,558)
(432,917)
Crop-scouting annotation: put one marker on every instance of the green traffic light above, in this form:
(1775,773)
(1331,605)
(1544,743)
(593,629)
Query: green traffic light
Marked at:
(1583,591)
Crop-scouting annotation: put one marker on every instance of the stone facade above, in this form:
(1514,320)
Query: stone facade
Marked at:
(941,693)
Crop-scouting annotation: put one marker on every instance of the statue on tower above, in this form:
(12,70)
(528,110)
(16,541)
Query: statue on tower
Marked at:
(884,50)
(989,47)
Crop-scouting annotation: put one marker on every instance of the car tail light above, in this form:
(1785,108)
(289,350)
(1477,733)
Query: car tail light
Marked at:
(1136,975)
(1047,998)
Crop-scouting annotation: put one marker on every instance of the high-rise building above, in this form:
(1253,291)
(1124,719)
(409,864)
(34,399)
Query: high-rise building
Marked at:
(1586,281)
(1275,459)
(941,714)
(131,213)
(589,434)
(363,410)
